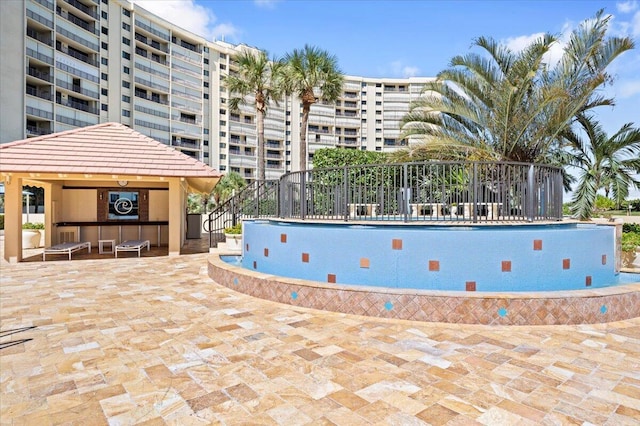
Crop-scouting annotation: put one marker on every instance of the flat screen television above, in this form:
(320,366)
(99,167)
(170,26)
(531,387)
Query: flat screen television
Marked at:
(123,205)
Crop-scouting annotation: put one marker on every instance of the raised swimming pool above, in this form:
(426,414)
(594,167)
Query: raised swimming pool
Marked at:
(504,258)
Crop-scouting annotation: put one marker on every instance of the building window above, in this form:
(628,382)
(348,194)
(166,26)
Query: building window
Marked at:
(126,99)
(206,61)
(223,56)
(104,92)
(126,113)
(223,145)
(126,55)
(205,143)
(104,61)
(104,15)
(105,46)
(223,67)
(206,154)
(126,41)
(104,76)
(126,70)
(205,131)
(205,96)
(378,103)
(126,26)
(223,112)
(364,103)
(105,107)
(125,12)
(105,30)
(206,84)
(206,72)
(126,84)
(223,134)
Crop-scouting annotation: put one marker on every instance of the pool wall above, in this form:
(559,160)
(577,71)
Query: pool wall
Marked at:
(533,257)
(559,307)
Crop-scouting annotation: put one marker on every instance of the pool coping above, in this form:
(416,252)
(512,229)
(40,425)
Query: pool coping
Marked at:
(587,306)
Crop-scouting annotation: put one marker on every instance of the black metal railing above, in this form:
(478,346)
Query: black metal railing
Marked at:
(469,191)
(258,199)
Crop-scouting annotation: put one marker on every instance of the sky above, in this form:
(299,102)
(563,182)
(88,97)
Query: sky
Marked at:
(412,38)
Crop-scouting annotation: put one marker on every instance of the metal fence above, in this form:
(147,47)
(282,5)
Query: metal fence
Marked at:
(425,191)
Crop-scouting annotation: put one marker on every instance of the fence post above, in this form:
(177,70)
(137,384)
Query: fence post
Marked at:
(345,176)
(530,194)
(404,193)
(303,195)
(474,204)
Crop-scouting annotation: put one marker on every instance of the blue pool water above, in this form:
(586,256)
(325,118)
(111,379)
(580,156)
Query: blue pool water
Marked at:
(454,258)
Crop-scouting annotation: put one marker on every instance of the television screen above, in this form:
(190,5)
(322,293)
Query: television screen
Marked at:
(123,205)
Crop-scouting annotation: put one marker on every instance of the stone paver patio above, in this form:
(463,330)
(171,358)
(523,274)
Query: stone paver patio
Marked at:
(154,341)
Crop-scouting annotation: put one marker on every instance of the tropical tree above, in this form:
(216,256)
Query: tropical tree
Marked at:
(259,78)
(311,74)
(506,105)
(230,183)
(605,162)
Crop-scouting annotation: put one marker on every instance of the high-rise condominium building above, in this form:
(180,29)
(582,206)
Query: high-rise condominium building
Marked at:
(74,63)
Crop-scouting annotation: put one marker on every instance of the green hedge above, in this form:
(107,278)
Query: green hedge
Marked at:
(1,221)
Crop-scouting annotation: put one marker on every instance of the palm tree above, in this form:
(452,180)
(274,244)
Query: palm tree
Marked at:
(605,162)
(507,105)
(259,77)
(311,74)
(230,183)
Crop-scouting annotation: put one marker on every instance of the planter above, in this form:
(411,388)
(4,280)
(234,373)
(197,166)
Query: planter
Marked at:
(233,241)
(30,238)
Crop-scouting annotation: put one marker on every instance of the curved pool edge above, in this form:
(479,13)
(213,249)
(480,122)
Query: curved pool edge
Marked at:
(591,306)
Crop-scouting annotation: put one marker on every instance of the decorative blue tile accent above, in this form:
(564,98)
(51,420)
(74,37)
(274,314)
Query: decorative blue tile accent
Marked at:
(603,309)
(388,306)
(235,281)
(502,312)
(294,295)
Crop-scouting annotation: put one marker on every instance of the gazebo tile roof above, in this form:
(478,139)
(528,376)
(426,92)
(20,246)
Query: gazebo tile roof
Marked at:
(108,148)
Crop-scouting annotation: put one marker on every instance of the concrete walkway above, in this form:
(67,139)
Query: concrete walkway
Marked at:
(155,341)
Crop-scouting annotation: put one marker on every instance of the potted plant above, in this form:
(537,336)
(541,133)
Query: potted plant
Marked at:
(233,235)
(630,245)
(31,234)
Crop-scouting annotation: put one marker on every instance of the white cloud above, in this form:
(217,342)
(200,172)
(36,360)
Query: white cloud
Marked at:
(627,6)
(399,69)
(554,54)
(266,4)
(190,16)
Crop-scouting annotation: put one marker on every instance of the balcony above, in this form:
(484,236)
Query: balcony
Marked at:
(151,85)
(38,131)
(152,98)
(83,8)
(151,43)
(77,105)
(79,56)
(41,37)
(151,70)
(41,19)
(77,89)
(39,56)
(39,92)
(78,22)
(37,112)
(34,72)
(74,38)
(150,30)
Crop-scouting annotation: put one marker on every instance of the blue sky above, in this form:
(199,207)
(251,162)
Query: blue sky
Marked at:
(410,38)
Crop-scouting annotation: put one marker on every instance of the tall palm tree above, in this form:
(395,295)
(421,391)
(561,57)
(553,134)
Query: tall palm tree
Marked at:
(260,78)
(311,74)
(230,183)
(507,105)
(605,162)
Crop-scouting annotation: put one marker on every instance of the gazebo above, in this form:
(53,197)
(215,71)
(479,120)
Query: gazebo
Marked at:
(86,171)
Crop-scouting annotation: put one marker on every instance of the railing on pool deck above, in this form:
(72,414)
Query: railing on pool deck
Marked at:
(425,191)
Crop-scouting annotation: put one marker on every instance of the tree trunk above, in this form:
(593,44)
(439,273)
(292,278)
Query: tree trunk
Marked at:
(261,163)
(303,136)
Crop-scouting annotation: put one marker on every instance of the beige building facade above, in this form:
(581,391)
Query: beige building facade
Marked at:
(76,63)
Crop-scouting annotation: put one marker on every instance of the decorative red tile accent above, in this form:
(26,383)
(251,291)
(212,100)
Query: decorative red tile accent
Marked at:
(283,238)
(587,281)
(506,266)
(537,244)
(331,278)
(604,259)
(364,262)
(305,257)
(255,265)
(266,252)
(396,244)
(434,265)
(470,285)
(566,263)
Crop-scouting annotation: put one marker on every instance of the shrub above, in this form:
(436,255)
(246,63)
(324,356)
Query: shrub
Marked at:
(630,241)
(631,227)
(29,225)
(1,221)
(235,229)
